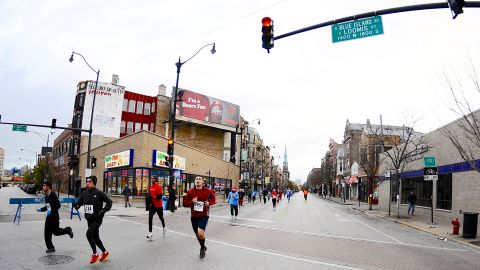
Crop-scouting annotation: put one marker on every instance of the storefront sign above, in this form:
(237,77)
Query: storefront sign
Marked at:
(121,159)
(159,160)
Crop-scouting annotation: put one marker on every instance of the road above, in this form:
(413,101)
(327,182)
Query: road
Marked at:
(316,234)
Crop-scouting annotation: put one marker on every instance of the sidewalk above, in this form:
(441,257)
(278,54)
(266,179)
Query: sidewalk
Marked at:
(441,228)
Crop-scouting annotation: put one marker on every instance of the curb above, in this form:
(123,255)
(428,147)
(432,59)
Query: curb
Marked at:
(419,228)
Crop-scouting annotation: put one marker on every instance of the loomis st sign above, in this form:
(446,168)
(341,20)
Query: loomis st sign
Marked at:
(357,29)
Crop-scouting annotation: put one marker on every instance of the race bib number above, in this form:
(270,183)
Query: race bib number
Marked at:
(88,209)
(198,206)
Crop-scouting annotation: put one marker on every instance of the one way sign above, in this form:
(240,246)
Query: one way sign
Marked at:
(430,174)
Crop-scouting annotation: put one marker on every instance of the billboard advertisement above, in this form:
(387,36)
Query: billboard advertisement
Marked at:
(205,110)
(159,160)
(121,159)
(107,115)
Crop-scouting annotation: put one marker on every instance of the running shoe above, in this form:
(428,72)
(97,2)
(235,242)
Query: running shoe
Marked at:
(149,236)
(70,232)
(164,230)
(104,256)
(50,250)
(94,258)
(202,252)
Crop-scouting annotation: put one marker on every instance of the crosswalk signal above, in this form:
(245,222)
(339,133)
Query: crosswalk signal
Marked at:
(267,36)
(170,147)
(456,7)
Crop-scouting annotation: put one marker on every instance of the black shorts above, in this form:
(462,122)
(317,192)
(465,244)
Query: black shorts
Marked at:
(199,222)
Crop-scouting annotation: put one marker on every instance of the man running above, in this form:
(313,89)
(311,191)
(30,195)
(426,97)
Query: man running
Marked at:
(289,194)
(305,194)
(200,198)
(52,222)
(274,199)
(241,195)
(233,201)
(92,200)
(156,206)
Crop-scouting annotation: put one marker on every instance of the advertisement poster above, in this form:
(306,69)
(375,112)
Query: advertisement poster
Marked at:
(207,110)
(121,159)
(159,160)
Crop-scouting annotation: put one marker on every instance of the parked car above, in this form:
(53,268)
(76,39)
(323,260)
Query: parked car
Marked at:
(30,189)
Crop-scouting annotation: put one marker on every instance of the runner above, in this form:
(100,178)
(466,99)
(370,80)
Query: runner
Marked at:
(254,196)
(241,195)
(289,194)
(156,206)
(305,194)
(52,221)
(274,199)
(232,199)
(265,193)
(92,200)
(200,198)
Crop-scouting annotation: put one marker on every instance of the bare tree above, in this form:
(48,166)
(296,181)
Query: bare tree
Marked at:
(370,160)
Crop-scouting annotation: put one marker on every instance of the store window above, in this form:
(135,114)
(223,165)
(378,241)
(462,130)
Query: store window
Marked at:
(444,191)
(153,108)
(139,107)
(129,127)
(125,105)
(421,188)
(147,109)
(131,106)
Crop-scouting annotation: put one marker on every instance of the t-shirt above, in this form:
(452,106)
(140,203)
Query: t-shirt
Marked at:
(156,190)
(274,195)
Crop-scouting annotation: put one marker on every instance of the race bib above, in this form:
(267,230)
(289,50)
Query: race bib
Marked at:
(198,206)
(88,208)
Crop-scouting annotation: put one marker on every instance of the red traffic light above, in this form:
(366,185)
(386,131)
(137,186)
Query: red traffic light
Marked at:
(266,21)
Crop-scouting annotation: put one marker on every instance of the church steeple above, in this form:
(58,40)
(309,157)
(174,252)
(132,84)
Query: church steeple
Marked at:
(286,173)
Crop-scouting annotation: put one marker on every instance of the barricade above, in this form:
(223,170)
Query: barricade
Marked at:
(22,201)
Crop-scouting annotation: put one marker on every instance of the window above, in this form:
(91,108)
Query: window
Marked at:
(153,108)
(147,109)
(125,105)
(145,126)
(152,127)
(138,126)
(122,127)
(129,127)
(131,106)
(422,189)
(139,107)
(444,191)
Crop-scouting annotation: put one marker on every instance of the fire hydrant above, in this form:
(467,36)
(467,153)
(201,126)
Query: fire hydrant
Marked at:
(455,226)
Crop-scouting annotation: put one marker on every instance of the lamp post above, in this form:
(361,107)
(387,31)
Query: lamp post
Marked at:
(43,136)
(179,65)
(93,109)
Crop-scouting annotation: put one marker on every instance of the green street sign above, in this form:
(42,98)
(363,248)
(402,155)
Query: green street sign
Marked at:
(357,29)
(22,128)
(429,162)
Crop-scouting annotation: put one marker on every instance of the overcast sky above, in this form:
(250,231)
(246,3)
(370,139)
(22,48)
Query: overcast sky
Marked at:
(303,91)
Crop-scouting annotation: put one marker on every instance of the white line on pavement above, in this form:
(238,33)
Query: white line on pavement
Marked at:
(250,219)
(253,249)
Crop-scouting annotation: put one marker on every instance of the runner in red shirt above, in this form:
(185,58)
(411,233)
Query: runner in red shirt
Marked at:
(274,199)
(199,199)
(156,206)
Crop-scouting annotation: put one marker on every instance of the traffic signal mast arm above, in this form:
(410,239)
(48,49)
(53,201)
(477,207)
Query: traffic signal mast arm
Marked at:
(469,4)
(45,126)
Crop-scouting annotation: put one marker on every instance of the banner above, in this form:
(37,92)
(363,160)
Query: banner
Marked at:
(159,160)
(121,159)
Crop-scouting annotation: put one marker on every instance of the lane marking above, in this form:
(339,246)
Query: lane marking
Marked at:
(254,249)
(250,219)
(368,226)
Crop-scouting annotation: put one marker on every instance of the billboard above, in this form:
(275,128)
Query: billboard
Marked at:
(159,160)
(121,159)
(205,110)
(107,115)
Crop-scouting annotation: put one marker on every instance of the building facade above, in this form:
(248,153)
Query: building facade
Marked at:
(2,161)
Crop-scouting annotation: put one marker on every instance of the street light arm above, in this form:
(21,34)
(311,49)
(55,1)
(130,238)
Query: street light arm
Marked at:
(212,51)
(71,60)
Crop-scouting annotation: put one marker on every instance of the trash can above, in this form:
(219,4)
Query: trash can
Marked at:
(164,202)
(470,222)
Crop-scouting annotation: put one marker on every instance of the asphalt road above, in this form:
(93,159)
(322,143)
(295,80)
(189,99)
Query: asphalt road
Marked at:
(315,234)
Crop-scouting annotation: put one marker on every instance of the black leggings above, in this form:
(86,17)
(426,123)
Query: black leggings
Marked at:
(93,234)
(151,213)
(234,208)
(52,227)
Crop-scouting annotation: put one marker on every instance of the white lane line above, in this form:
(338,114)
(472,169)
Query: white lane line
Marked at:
(250,219)
(368,226)
(254,249)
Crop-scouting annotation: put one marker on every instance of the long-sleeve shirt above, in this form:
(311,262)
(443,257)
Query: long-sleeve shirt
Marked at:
(92,200)
(233,198)
(156,192)
(52,202)
(203,195)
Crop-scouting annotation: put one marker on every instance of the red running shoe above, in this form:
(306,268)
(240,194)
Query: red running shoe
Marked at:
(94,258)
(104,256)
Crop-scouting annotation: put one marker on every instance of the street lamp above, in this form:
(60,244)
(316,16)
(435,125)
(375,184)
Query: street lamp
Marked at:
(93,108)
(43,136)
(179,65)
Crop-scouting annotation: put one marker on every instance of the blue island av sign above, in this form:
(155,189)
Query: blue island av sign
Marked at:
(357,29)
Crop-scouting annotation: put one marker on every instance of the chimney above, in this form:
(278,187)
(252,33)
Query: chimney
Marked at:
(115,79)
(162,90)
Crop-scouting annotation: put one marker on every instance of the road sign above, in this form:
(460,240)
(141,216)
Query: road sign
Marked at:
(357,29)
(429,162)
(22,128)
(430,174)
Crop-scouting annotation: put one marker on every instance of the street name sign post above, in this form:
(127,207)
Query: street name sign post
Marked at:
(357,29)
(22,128)
(430,174)
(429,162)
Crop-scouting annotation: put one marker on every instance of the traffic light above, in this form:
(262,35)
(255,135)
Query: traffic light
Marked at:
(93,162)
(456,7)
(54,123)
(167,161)
(170,147)
(267,36)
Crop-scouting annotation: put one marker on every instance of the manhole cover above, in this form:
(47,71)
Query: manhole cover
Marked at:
(56,259)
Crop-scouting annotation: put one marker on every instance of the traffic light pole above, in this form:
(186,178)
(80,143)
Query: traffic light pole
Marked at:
(469,4)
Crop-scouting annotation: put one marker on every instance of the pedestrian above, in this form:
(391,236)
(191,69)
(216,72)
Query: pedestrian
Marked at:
(274,199)
(265,193)
(249,196)
(52,221)
(269,195)
(156,206)
(279,196)
(289,194)
(232,199)
(254,196)
(92,200)
(127,192)
(305,194)
(200,198)
(172,197)
(412,199)
(241,195)
(259,192)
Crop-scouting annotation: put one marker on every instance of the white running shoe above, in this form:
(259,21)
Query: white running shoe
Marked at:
(164,230)
(149,236)
(235,217)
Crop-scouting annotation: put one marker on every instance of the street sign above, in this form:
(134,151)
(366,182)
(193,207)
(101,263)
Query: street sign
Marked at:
(429,162)
(430,174)
(357,29)
(22,128)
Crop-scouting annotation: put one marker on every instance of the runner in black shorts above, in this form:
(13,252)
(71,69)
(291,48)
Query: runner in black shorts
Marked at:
(199,199)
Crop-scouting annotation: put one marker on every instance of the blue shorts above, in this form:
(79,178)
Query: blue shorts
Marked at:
(199,222)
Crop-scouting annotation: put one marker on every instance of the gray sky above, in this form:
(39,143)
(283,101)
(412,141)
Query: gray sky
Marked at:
(303,91)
